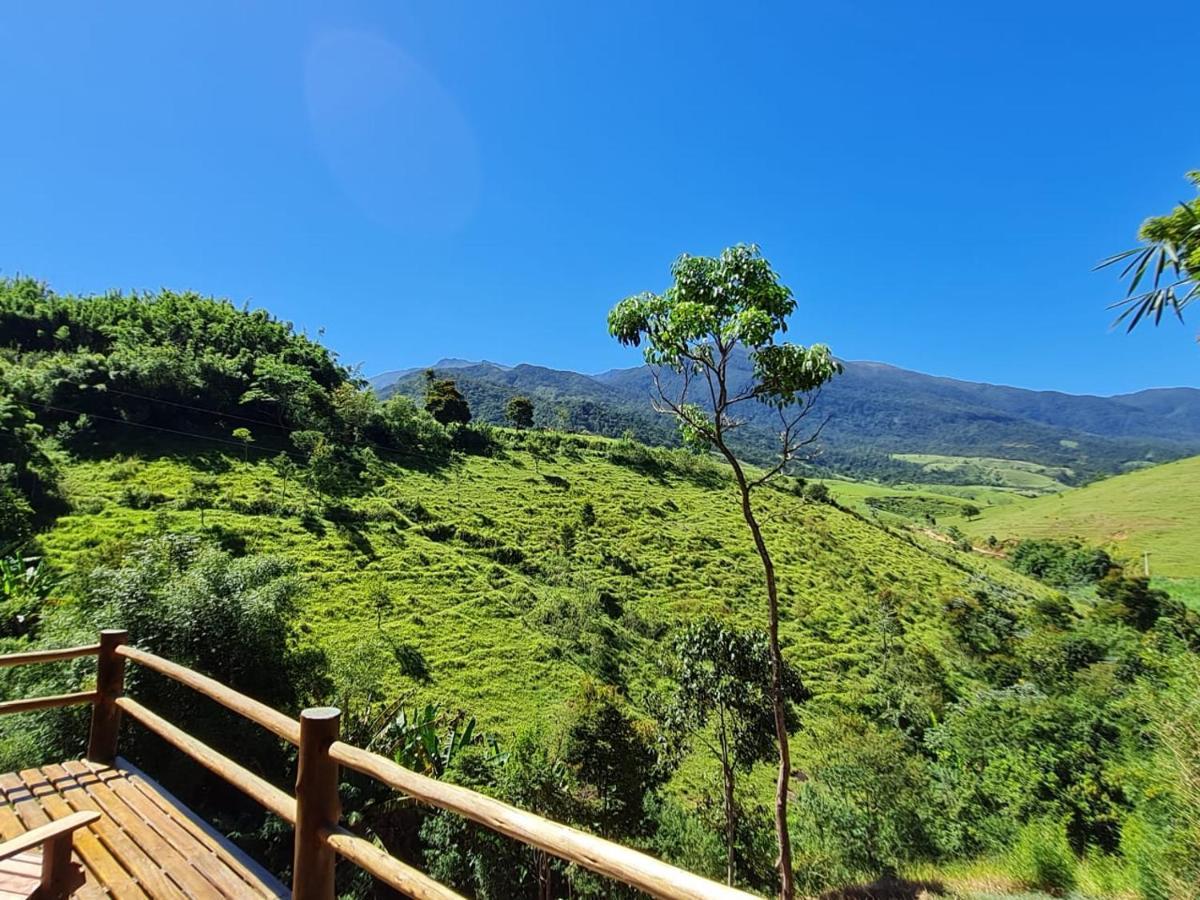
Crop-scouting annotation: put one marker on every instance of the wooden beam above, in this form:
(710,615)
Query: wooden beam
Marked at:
(45,656)
(651,875)
(31,703)
(110,684)
(259,713)
(59,876)
(243,779)
(391,871)
(317,805)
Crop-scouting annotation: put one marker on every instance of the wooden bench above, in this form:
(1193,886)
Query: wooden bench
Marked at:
(48,875)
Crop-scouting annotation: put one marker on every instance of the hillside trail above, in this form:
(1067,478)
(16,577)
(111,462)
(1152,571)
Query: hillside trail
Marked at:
(941,538)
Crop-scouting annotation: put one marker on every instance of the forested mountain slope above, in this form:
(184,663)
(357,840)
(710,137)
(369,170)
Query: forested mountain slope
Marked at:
(873,411)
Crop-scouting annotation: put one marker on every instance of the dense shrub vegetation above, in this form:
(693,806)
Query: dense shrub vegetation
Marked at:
(570,623)
(1060,563)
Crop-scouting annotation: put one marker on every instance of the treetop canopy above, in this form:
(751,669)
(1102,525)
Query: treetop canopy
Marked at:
(715,304)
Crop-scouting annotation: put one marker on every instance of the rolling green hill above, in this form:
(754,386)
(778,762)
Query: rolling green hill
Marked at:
(1155,510)
(1011,474)
(467,567)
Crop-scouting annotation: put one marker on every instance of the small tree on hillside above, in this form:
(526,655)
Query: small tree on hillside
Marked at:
(716,308)
(724,699)
(612,755)
(286,469)
(444,401)
(519,412)
(247,438)
(202,494)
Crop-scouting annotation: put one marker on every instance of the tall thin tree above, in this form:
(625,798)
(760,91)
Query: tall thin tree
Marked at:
(717,309)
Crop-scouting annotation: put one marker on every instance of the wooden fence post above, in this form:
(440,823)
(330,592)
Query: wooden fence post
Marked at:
(110,684)
(317,805)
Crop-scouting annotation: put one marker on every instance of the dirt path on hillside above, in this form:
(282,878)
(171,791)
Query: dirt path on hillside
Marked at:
(941,538)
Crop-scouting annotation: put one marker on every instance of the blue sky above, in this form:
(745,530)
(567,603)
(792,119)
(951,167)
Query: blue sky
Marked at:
(933,180)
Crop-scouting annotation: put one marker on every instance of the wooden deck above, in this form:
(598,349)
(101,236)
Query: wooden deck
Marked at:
(146,843)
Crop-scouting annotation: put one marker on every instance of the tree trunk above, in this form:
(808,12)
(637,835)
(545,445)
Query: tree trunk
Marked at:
(730,824)
(730,810)
(543,874)
(787,889)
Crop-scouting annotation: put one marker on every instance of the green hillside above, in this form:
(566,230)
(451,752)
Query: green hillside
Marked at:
(467,566)
(906,503)
(1155,510)
(1013,474)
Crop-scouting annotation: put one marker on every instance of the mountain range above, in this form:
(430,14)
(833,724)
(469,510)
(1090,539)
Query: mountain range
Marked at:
(870,412)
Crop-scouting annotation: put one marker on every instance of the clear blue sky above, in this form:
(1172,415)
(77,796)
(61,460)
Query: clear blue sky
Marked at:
(934,180)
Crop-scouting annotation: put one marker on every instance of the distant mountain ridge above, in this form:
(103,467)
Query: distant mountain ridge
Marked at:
(384,379)
(869,412)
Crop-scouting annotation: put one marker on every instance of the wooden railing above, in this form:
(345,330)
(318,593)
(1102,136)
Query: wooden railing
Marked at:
(315,809)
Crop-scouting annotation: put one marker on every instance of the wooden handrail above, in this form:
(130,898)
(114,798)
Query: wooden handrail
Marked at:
(31,703)
(597,854)
(258,713)
(241,778)
(605,857)
(45,656)
(391,871)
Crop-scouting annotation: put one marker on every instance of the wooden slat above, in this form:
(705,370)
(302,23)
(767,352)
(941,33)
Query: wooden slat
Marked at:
(259,713)
(85,840)
(111,871)
(27,863)
(207,862)
(168,862)
(391,871)
(23,802)
(246,868)
(241,778)
(140,849)
(605,857)
(44,656)
(10,825)
(20,875)
(31,703)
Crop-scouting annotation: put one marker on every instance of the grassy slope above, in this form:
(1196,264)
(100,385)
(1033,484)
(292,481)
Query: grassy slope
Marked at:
(1015,474)
(1155,509)
(937,497)
(494,636)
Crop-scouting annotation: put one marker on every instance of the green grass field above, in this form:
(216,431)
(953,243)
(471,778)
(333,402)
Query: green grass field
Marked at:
(1155,510)
(1185,589)
(1014,474)
(906,504)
